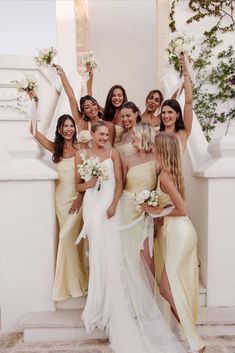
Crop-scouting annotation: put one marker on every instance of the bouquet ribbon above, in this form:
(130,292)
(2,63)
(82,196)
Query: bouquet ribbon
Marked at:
(179,84)
(83,233)
(33,116)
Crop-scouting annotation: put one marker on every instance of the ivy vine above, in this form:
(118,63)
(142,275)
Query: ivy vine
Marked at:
(215,85)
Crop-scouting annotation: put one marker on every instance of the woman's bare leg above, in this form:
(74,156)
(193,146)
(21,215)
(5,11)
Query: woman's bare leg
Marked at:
(165,291)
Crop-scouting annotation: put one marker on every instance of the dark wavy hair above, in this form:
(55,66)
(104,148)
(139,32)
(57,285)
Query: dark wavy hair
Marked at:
(179,124)
(109,108)
(59,140)
(82,103)
(134,108)
(155,91)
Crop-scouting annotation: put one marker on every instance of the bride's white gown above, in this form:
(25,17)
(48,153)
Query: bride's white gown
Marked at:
(119,299)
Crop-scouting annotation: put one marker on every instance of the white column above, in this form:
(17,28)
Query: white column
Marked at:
(27,237)
(215,187)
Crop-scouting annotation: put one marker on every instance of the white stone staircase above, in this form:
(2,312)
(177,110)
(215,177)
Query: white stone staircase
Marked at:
(65,322)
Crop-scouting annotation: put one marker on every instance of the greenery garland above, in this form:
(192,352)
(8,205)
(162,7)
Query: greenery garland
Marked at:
(214,85)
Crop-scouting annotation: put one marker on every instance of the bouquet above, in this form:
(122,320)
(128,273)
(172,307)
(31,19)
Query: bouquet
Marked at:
(27,84)
(92,167)
(45,57)
(88,59)
(180,44)
(146,196)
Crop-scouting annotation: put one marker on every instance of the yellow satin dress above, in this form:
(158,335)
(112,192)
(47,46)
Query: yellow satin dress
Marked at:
(125,149)
(118,135)
(70,276)
(140,177)
(176,248)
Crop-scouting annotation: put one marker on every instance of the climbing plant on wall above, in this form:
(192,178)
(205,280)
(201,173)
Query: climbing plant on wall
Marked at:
(214,91)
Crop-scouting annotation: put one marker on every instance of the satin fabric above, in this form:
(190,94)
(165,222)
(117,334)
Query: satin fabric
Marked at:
(70,276)
(125,149)
(176,248)
(118,134)
(119,299)
(140,177)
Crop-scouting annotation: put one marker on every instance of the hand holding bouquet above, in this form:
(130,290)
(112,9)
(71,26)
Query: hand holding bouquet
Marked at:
(88,59)
(178,45)
(45,57)
(27,85)
(93,168)
(146,196)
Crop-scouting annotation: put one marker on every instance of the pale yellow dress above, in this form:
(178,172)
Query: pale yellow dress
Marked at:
(176,248)
(140,177)
(118,135)
(125,149)
(70,275)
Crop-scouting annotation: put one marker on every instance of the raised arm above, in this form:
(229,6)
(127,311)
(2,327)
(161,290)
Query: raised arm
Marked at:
(70,94)
(43,140)
(119,185)
(89,83)
(188,106)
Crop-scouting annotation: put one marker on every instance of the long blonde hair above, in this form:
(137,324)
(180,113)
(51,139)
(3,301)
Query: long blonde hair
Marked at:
(146,135)
(167,149)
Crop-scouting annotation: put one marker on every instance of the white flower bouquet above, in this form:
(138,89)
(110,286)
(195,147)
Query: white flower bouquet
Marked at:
(45,57)
(88,59)
(84,136)
(180,44)
(27,84)
(92,167)
(146,196)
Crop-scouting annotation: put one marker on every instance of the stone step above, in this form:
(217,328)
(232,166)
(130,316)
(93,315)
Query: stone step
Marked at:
(66,324)
(79,303)
(72,303)
(216,321)
(59,325)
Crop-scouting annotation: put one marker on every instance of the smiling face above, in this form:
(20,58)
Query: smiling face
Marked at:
(67,130)
(153,102)
(169,116)
(91,109)
(117,98)
(100,136)
(128,118)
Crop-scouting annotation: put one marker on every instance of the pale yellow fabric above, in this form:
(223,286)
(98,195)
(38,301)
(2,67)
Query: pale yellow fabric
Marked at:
(176,247)
(70,276)
(140,177)
(125,149)
(118,134)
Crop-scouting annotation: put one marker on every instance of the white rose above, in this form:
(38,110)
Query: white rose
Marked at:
(84,136)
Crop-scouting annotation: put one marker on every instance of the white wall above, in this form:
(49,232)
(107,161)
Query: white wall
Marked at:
(123,38)
(27,25)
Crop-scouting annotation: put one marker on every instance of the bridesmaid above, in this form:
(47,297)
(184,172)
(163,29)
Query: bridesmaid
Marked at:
(172,119)
(153,103)
(179,274)
(90,111)
(112,110)
(70,275)
(130,117)
(139,173)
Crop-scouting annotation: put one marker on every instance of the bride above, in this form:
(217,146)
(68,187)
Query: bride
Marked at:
(119,297)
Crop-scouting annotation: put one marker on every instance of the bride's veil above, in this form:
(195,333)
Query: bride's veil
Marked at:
(136,324)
